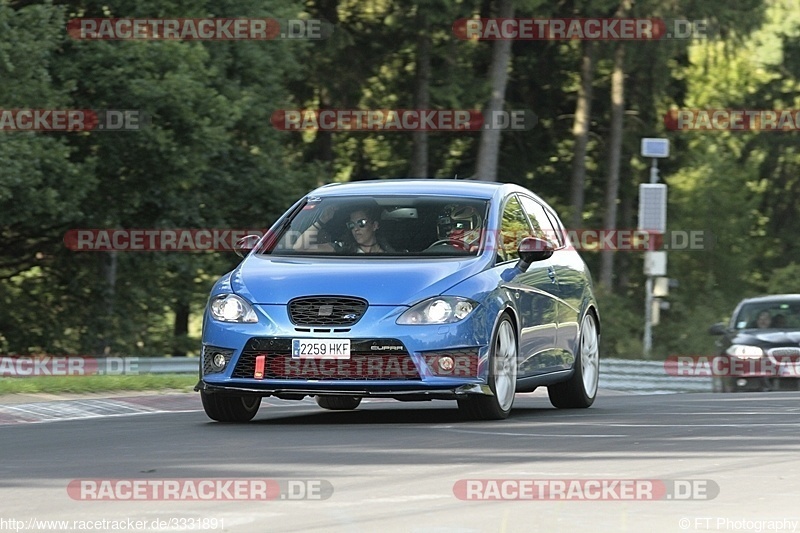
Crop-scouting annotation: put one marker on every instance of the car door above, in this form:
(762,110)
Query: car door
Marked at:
(535,293)
(569,272)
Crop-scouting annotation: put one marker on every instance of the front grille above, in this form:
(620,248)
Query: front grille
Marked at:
(367,362)
(208,356)
(786,354)
(326,311)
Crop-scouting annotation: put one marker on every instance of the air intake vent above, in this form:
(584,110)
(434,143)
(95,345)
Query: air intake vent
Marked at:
(326,311)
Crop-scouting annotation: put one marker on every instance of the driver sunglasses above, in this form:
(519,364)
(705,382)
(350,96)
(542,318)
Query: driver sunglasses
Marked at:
(361,223)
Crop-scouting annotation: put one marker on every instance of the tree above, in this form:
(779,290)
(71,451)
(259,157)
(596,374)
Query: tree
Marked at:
(489,145)
(614,148)
(580,132)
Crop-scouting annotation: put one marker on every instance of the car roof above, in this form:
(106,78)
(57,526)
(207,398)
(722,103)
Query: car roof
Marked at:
(432,186)
(772,298)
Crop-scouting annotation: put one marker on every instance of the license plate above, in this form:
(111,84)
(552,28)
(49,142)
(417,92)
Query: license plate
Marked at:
(320,348)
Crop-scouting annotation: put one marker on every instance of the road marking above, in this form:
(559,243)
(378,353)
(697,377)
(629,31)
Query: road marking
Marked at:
(701,425)
(556,435)
(58,411)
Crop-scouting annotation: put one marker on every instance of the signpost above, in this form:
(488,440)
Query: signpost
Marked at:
(653,218)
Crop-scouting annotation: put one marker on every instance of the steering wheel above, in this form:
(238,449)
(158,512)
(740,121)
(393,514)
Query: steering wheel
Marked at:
(453,242)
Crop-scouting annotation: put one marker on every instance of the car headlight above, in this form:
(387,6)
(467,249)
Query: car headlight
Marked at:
(744,351)
(438,310)
(231,308)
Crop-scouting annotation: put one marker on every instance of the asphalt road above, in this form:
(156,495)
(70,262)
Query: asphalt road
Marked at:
(704,462)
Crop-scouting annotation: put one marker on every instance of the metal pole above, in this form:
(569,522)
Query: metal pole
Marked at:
(654,171)
(647,342)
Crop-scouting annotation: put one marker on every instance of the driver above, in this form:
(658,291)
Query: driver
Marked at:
(461,224)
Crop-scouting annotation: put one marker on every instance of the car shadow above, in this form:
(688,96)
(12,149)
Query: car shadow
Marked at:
(384,415)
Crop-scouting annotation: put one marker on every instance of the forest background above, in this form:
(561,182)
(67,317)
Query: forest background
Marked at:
(212,159)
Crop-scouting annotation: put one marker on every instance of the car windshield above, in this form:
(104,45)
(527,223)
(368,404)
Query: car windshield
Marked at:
(380,226)
(769,315)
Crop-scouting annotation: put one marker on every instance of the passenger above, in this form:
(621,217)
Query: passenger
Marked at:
(363,223)
(764,320)
(311,237)
(778,321)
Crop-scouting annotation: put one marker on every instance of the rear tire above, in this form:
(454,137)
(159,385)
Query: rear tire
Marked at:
(581,389)
(232,408)
(338,403)
(502,378)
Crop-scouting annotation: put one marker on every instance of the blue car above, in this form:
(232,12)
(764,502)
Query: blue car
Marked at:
(412,289)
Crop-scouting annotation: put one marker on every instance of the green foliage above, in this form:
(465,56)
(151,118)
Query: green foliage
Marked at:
(785,280)
(621,326)
(88,384)
(210,157)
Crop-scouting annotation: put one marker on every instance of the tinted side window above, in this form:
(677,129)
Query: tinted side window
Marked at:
(514,229)
(542,227)
(561,232)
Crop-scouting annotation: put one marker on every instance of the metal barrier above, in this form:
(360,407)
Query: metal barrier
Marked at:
(646,377)
(629,375)
(169,365)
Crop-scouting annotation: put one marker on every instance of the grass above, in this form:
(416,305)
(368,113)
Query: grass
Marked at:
(79,384)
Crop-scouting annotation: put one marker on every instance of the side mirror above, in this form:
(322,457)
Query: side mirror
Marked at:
(533,249)
(718,329)
(246,244)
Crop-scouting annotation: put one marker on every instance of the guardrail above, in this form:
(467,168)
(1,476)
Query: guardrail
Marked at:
(628,375)
(646,377)
(169,365)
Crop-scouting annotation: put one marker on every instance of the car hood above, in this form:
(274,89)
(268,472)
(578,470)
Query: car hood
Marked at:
(770,337)
(263,279)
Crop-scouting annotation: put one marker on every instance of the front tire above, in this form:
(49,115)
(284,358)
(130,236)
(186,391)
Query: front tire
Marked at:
(502,378)
(230,407)
(723,384)
(581,389)
(338,403)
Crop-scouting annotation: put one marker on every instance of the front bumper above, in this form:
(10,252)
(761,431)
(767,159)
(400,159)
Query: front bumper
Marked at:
(410,393)
(418,377)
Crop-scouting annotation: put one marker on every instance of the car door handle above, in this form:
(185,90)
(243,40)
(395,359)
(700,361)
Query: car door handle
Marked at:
(551,273)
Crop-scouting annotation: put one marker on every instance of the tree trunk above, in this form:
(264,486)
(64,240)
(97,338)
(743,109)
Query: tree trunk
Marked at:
(489,148)
(181,328)
(110,268)
(422,100)
(325,142)
(623,268)
(326,85)
(614,158)
(580,132)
